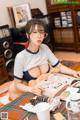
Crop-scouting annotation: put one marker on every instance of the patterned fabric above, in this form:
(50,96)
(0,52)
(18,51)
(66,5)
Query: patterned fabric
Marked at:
(15,112)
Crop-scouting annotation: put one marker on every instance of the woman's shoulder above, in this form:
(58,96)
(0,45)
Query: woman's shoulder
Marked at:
(44,45)
(21,53)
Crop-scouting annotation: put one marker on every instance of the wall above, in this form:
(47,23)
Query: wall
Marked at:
(4,16)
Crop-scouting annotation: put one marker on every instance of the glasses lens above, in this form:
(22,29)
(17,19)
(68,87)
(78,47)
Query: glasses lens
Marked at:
(41,32)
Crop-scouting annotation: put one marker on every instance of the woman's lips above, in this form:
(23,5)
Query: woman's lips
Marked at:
(39,41)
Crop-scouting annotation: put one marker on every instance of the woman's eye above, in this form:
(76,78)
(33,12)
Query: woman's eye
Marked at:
(42,32)
(34,32)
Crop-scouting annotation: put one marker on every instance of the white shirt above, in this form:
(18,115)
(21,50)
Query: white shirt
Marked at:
(26,60)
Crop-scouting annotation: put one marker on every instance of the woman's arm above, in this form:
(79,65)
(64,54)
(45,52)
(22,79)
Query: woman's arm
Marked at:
(20,86)
(25,88)
(61,68)
(67,70)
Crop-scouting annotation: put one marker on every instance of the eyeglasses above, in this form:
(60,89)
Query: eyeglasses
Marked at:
(42,33)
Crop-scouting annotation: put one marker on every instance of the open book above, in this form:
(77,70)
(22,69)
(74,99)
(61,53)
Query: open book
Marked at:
(74,88)
(56,84)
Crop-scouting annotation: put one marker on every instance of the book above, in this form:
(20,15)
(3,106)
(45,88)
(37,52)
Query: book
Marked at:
(56,84)
(67,92)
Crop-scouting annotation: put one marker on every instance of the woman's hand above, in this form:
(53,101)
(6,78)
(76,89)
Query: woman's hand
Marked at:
(37,90)
(39,79)
(34,84)
(43,77)
(76,74)
(66,70)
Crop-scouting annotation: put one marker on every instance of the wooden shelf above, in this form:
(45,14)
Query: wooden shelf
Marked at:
(65,38)
(64,27)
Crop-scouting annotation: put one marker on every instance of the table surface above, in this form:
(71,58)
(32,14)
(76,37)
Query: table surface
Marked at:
(17,113)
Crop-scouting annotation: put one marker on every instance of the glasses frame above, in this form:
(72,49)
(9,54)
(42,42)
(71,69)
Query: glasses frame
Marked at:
(41,33)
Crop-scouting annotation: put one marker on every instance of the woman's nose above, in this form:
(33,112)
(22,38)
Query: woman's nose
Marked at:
(39,34)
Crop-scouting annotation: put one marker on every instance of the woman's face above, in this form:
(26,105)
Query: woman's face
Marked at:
(37,35)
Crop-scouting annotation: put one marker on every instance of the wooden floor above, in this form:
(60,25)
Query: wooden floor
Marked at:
(76,67)
(71,56)
(4,88)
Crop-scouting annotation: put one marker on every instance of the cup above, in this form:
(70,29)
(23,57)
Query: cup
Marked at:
(43,111)
(73,102)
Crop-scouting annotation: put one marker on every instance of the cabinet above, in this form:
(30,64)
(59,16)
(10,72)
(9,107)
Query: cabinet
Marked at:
(3,72)
(65,18)
(77,26)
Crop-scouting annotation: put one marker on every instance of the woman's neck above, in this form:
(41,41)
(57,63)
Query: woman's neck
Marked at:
(33,48)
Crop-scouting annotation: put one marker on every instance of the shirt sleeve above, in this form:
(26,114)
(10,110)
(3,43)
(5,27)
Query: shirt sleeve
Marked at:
(51,57)
(18,67)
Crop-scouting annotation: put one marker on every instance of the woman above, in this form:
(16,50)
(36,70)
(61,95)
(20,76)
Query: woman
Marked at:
(35,63)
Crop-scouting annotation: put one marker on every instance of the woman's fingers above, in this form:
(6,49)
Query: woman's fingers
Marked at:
(77,74)
(36,90)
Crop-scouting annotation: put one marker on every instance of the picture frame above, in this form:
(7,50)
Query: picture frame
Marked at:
(22,13)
